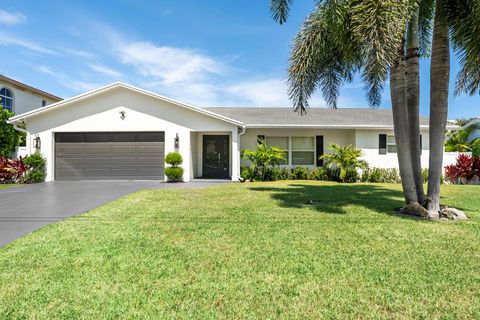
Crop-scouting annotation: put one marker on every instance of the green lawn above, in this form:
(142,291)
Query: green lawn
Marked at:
(5,186)
(250,251)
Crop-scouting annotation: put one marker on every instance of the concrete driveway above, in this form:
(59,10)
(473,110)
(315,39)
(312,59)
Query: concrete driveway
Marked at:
(26,208)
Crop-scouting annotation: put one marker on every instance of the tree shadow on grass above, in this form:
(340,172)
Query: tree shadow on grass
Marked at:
(335,198)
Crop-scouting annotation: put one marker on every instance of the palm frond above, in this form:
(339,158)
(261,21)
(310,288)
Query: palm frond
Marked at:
(463,18)
(280,10)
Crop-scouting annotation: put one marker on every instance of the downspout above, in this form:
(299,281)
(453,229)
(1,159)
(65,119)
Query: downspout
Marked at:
(242,131)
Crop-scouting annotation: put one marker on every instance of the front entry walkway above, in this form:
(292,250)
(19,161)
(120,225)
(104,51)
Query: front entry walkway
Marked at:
(27,208)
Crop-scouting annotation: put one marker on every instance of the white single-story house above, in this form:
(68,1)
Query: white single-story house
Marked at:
(123,132)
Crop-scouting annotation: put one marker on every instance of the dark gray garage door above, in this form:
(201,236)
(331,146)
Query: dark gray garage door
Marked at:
(109,156)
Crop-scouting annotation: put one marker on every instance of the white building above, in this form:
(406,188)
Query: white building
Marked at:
(19,98)
(123,132)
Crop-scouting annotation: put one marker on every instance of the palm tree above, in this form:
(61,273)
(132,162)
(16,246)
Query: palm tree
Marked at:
(340,38)
(346,159)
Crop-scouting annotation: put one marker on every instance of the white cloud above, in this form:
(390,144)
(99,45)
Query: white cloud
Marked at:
(80,53)
(264,93)
(12,18)
(106,71)
(7,40)
(169,65)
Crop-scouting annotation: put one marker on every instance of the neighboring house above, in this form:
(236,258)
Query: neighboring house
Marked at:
(19,98)
(123,132)
(475,125)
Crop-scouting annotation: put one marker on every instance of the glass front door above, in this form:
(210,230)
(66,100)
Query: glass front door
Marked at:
(215,157)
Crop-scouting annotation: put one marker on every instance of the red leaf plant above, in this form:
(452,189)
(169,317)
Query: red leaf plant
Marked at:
(12,170)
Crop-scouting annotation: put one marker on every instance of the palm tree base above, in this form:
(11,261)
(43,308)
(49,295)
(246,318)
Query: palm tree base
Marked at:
(445,213)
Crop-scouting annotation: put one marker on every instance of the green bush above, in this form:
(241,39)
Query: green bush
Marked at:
(174,159)
(37,164)
(301,173)
(174,173)
(347,159)
(380,175)
(246,173)
(319,173)
(9,137)
(475,145)
(277,173)
(262,159)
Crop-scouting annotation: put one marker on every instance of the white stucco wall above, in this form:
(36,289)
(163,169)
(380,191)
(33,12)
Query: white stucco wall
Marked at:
(24,100)
(101,113)
(342,137)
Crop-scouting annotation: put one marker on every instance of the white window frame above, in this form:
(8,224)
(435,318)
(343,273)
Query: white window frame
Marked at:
(394,143)
(4,97)
(314,151)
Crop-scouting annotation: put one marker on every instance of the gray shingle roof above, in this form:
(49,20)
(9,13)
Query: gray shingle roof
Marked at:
(314,116)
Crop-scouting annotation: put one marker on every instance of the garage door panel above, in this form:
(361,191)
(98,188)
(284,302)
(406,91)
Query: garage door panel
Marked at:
(69,149)
(105,156)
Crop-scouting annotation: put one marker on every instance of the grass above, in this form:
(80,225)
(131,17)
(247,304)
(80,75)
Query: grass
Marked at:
(249,251)
(5,186)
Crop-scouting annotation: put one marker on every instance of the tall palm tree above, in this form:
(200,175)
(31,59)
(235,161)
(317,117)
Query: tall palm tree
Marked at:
(340,38)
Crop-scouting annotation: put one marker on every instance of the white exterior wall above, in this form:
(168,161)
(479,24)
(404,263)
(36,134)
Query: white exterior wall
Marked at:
(367,140)
(101,113)
(24,100)
(342,137)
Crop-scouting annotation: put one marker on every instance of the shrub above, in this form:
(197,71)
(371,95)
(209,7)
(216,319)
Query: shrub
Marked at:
(466,167)
(381,175)
(262,158)
(277,173)
(475,146)
(174,159)
(37,164)
(301,173)
(247,174)
(174,172)
(9,137)
(346,159)
(12,171)
(319,173)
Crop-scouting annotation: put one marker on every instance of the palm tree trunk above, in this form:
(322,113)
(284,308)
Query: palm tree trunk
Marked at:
(412,79)
(400,125)
(439,82)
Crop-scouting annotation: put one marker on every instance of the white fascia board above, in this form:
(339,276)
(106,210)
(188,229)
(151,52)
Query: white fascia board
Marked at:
(53,106)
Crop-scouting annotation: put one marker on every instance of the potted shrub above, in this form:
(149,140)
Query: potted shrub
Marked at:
(174,172)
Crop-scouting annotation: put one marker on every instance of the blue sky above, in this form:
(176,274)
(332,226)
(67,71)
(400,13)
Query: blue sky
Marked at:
(205,52)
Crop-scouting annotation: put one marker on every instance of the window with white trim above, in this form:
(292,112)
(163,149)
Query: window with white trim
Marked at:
(281,143)
(391,144)
(303,151)
(6,96)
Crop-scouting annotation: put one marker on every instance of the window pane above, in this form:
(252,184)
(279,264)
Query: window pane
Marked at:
(279,142)
(391,139)
(303,143)
(392,148)
(303,157)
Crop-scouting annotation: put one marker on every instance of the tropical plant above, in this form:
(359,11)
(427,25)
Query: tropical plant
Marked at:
(9,137)
(457,141)
(12,170)
(466,167)
(37,164)
(174,172)
(345,158)
(263,157)
(340,38)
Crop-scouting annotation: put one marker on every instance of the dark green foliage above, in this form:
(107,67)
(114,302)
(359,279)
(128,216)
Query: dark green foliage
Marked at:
(37,164)
(174,173)
(475,146)
(9,137)
(263,158)
(319,173)
(301,173)
(174,159)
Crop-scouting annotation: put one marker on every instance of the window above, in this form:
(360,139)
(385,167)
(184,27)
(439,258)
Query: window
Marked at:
(7,99)
(303,151)
(281,143)
(391,145)
(44,103)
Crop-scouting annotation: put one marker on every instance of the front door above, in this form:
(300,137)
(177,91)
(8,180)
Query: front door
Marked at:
(215,157)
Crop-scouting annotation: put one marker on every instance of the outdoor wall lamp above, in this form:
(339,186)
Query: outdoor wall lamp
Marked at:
(177,141)
(36,142)
(123,114)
